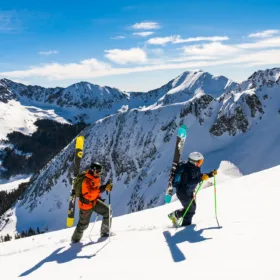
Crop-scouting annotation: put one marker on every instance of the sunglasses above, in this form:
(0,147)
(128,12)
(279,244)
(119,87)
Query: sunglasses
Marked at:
(97,170)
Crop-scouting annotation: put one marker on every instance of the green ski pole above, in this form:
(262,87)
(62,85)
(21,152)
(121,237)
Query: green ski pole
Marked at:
(110,215)
(181,220)
(215,200)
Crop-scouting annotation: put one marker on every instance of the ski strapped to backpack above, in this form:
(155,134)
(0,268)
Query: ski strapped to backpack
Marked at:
(181,137)
(77,161)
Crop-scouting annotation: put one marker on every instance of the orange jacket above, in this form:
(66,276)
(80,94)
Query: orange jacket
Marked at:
(90,191)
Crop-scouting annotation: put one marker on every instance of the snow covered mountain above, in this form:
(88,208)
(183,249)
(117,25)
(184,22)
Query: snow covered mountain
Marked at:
(245,246)
(78,102)
(136,146)
(13,183)
(256,99)
(21,106)
(188,85)
(88,102)
(196,84)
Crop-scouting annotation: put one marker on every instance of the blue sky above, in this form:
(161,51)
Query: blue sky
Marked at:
(135,45)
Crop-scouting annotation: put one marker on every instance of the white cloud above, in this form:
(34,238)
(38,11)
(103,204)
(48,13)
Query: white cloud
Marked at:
(162,40)
(143,34)
(215,48)
(264,52)
(118,38)
(55,71)
(267,57)
(93,68)
(192,58)
(176,39)
(266,43)
(197,39)
(48,52)
(219,49)
(134,55)
(264,34)
(146,25)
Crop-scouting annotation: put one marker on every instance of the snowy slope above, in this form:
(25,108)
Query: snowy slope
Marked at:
(17,117)
(13,183)
(246,245)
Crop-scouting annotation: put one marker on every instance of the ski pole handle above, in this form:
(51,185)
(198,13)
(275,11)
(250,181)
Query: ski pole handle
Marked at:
(167,198)
(168,195)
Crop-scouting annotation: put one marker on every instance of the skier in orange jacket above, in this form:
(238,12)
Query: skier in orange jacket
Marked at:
(90,201)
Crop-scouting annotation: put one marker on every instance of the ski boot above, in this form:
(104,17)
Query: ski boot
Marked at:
(104,234)
(173,219)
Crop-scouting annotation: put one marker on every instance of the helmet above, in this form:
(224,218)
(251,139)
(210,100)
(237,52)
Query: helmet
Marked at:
(96,166)
(196,158)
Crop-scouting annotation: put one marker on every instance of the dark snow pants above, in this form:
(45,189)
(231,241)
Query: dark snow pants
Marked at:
(185,199)
(84,218)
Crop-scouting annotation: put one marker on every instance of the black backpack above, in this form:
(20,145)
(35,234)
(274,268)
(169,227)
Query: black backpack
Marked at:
(177,179)
(77,184)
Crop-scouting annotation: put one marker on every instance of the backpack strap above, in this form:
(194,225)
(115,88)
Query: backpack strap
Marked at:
(84,200)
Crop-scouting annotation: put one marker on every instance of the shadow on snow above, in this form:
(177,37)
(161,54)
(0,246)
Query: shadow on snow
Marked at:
(188,234)
(60,256)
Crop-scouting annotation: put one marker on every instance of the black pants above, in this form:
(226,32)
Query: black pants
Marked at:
(84,218)
(185,199)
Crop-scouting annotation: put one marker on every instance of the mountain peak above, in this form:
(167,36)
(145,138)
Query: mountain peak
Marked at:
(260,78)
(273,73)
(195,84)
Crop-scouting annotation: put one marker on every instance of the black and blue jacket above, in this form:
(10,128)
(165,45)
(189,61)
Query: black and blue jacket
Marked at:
(186,178)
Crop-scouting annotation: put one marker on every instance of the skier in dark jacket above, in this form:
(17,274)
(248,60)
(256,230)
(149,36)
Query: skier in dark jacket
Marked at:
(90,201)
(187,177)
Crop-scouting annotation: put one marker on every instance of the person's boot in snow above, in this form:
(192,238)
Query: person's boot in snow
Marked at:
(173,218)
